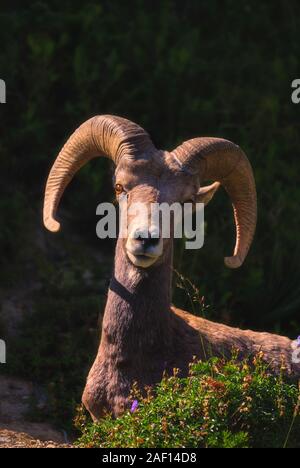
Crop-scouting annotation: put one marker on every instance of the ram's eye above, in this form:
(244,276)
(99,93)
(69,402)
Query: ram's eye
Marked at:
(119,189)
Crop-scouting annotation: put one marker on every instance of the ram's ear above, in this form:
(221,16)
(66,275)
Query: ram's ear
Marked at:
(205,194)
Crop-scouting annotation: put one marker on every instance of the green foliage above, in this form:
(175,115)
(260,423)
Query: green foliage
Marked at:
(57,342)
(164,66)
(180,69)
(56,350)
(221,405)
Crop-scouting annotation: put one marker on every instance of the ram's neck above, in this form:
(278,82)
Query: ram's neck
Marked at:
(137,317)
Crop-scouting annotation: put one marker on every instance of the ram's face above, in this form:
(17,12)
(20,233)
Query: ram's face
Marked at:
(142,187)
(147,175)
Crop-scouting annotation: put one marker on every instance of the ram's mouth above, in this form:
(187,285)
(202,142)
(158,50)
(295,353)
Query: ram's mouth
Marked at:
(142,260)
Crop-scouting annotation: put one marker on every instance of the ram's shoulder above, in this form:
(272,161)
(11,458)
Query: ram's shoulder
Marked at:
(190,319)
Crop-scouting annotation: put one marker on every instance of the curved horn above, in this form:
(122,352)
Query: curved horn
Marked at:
(103,135)
(222,160)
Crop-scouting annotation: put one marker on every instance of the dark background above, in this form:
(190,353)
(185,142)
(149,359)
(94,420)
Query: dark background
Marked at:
(180,70)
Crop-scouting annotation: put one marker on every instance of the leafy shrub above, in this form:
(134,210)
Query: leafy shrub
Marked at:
(221,405)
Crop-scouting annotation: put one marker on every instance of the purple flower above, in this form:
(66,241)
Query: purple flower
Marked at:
(298,340)
(134,406)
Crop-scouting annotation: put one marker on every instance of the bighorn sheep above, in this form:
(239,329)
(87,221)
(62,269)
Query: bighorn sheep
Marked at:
(142,334)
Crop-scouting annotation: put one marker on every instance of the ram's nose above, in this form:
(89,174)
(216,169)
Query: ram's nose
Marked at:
(144,247)
(146,242)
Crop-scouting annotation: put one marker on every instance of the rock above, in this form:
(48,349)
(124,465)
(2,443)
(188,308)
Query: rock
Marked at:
(13,439)
(15,397)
